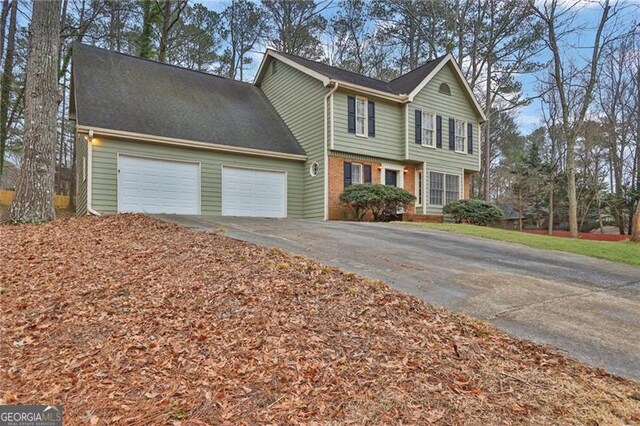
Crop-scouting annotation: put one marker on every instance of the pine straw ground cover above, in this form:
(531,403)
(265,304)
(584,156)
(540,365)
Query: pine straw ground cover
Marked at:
(128,320)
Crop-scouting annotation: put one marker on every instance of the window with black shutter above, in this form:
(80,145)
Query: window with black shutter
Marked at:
(353,173)
(367,173)
(419,126)
(438,131)
(347,174)
(362,116)
(372,118)
(452,134)
(351,114)
(460,136)
(470,138)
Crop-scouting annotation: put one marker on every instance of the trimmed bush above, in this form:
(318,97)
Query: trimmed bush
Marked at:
(383,201)
(475,212)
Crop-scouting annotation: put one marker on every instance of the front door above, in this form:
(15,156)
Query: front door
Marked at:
(391,177)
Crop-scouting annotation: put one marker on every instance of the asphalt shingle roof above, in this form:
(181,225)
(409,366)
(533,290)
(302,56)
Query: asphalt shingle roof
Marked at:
(401,85)
(409,81)
(121,92)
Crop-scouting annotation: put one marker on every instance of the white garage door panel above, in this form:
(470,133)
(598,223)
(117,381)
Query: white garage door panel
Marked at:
(256,193)
(148,185)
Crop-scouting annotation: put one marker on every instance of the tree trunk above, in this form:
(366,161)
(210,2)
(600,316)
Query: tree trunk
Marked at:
(164,34)
(520,209)
(487,139)
(3,23)
(145,49)
(34,191)
(635,235)
(63,18)
(62,158)
(113,24)
(7,81)
(571,188)
(552,185)
(550,219)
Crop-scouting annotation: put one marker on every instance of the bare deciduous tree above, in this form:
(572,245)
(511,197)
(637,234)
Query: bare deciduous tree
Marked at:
(296,26)
(574,91)
(171,11)
(7,80)
(34,190)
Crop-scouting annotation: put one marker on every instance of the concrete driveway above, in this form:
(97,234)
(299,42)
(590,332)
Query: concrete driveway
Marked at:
(587,307)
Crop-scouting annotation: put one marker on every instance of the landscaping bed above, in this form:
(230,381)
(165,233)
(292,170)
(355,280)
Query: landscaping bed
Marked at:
(129,320)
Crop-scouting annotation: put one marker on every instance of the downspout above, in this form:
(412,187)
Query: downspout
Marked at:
(326,148)
(89,173)
(424,188)
(406,131)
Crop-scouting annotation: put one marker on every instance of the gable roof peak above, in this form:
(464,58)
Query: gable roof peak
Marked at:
(401,89)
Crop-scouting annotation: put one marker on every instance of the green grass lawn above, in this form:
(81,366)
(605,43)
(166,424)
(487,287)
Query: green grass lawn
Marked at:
(623,252)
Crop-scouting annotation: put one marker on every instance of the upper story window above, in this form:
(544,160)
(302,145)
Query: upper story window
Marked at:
(444,88)
(361,116)
(461,135)
(428,129)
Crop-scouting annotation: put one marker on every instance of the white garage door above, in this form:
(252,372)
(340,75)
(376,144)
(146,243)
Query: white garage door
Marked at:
(147,185)
(256,193)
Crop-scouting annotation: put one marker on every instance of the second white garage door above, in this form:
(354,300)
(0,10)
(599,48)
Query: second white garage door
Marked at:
(255,193)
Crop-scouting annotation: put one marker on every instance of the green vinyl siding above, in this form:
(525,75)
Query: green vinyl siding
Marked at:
(458,106)
(81,183)
(105,174)
(299,98)
(389,140)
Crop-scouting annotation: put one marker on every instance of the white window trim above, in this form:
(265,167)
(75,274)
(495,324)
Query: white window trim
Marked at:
(398,168)
(366,117)
(465,138)
(433,129)
(460,184)
(84,168)
(418,192)
(444,188)
(359,165)
(314,169)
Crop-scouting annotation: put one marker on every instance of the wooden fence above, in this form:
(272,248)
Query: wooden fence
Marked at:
(59,201)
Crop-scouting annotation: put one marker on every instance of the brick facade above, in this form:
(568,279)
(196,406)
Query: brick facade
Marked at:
(468,175)
(337,210)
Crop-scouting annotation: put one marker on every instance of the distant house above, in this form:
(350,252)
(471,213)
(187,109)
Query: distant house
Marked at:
(511,216)
(157,138)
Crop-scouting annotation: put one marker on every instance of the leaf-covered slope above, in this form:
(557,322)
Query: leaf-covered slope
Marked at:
(125,319)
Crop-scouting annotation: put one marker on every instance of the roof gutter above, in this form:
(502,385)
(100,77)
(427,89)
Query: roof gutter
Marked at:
(187,143)
(326,146)
(403,98)
(89,139)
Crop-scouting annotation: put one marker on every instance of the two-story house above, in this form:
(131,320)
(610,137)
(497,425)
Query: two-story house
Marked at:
(157,138)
